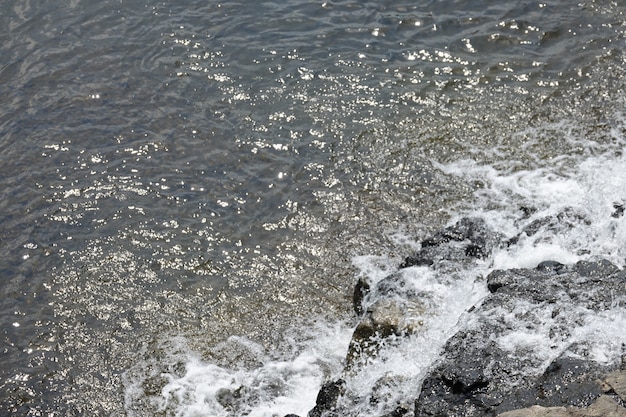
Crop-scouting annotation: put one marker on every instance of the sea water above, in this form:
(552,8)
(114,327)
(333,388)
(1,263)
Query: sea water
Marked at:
(191,190)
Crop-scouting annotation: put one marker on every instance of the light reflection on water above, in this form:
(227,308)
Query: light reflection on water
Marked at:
(194,169)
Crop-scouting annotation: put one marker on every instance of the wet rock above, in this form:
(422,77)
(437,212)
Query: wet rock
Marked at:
(604,406)
(385,388)
(384,318)
(597,269)
(538,224)
(361,289)
(231,399)
(469,238)
(498,279)
(154,385)
(549,225)
(399,411)
(490,367)
(514,352)
(551,266)
(327,398)
(393,307)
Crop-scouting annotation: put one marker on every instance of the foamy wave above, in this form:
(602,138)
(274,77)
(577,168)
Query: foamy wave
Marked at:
(262,386)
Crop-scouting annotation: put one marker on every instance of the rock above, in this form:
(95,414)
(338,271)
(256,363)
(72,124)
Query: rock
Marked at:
(399,411)
(517,352)
(384,318)
(537,411)
(392,308)
(498,279)
(604,406)
(552,266)
(489,367)
(597,269)
(327,398)
(361,289)
(231,399)
(469,238)
(617,383)
(549,225)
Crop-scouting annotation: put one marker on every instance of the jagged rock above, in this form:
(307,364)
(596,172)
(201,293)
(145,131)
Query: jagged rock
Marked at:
(480,375)
(385,388)
(327,397)
(467,239)
(549,225)
(553,266)
(399,411)
(231,399)
(498,279)
(597,269)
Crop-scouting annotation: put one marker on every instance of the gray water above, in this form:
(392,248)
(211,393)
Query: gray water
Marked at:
(202,170)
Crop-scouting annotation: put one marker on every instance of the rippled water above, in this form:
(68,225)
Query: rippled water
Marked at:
(206,180)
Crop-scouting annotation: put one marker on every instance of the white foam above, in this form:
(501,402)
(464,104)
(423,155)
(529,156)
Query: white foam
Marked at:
(580,199)
(403,362)
(573,216)
(540,338)
(605,332)
(529,256)
(276,386)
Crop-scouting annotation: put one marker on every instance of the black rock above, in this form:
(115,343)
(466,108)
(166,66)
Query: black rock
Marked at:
(597,269)
(478,376)
(361,289)
(327,398)
(469,238)
(399,411)
(553,266)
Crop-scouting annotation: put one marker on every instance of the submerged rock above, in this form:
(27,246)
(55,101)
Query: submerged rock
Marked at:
(469,238)
(384,318)
(392,308)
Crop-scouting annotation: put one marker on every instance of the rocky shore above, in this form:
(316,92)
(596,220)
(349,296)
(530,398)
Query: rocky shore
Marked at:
(490,367)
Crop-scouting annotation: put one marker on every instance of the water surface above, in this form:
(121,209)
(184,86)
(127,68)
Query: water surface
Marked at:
(195,186)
